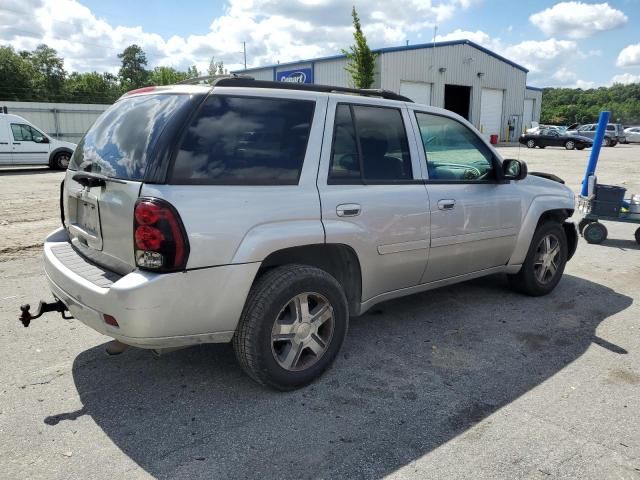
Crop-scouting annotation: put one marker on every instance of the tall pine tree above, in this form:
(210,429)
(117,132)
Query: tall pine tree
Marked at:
(362,61)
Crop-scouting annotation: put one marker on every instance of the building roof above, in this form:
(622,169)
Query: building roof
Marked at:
(537,89)
(418,46)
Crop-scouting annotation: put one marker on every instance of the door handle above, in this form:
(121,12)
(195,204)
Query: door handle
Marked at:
(448,204)
(348,210)
(17,143)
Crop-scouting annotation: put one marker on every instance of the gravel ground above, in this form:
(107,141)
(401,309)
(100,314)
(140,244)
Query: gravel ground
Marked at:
(470,381)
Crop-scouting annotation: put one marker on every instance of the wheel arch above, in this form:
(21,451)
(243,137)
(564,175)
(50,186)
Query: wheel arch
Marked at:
(338,260)
(548,208)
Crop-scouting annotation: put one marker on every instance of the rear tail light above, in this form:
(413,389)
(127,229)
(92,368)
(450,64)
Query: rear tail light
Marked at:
(159,238)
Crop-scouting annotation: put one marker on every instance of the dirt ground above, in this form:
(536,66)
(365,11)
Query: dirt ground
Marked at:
(471,381)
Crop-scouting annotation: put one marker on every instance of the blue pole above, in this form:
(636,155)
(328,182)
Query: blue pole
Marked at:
(595,151)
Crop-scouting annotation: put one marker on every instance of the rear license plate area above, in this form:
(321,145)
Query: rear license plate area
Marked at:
(84,219)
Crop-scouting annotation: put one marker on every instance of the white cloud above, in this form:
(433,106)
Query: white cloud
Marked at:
(274,31)
(625,79)
(629,56)
(578,19)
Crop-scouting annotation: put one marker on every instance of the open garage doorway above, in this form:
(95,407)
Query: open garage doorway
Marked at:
(457,98)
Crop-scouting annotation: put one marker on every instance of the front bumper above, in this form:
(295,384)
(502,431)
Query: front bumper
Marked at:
(152,310)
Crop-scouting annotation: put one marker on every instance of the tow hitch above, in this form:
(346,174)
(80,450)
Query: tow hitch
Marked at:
(43,307)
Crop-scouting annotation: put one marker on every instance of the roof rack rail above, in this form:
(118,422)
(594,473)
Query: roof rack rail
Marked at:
(210,79)
(242,81)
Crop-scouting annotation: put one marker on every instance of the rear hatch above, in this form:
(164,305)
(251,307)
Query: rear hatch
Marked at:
(124,148)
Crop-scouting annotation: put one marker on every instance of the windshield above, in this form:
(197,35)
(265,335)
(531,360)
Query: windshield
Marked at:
(120,142)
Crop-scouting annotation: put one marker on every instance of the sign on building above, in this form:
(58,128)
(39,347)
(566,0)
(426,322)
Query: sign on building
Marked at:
(300,75)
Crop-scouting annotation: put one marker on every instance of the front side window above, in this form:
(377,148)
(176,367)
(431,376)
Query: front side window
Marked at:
(245,141)
(25,133)
(369,146)
(453,151)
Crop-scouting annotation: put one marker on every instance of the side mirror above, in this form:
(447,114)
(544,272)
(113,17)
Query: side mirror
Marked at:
(514,169)
(41,139)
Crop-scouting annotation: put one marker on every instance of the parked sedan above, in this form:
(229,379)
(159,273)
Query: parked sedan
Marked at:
(552,138)
(632,134)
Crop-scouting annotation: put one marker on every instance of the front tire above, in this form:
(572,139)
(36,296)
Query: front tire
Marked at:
(292,327)
(531,144)
(545,262)
(570,145)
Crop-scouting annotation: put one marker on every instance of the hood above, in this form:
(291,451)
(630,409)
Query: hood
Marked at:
(60,143)
(548,186)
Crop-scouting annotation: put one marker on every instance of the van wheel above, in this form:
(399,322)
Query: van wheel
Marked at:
(292,326)
(61,161)
(544,265)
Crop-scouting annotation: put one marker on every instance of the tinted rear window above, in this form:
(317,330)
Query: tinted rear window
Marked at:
(121,141)
(245,141)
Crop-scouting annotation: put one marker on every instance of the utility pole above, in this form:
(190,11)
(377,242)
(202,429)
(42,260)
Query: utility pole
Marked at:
(244,49)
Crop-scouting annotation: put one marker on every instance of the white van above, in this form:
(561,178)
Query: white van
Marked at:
(21,143)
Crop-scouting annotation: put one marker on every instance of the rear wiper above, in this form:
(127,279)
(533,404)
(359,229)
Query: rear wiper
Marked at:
(90,179)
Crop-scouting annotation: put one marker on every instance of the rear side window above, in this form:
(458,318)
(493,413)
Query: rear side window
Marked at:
(120,143)
(236,140)
(369,146)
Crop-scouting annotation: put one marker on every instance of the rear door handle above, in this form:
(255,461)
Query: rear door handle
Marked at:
(448,204)
(348,210)
(17,143)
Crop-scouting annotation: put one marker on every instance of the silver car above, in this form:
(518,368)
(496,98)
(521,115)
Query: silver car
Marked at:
(632,134)
(267,214)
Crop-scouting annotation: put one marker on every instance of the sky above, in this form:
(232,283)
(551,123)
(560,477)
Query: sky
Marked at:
(563,44)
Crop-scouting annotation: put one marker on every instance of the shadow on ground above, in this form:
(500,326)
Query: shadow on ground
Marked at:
(413,374)
(18,171)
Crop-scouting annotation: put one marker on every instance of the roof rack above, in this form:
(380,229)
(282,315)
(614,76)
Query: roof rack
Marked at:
(243,81)
(210,79)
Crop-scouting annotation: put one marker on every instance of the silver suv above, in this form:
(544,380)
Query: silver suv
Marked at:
(266,214)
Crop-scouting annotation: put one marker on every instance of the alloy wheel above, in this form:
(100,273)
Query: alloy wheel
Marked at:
(302,331)
(547,258)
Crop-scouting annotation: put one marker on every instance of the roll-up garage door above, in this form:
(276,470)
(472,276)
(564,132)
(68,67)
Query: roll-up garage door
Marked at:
(491,111)
(528,112)
(419,92)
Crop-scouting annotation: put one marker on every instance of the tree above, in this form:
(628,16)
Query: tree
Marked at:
(16,76)
(192,72)
(50,73)
(574,105)
(92,88)
(216,68)
(362,61)
(132,73)
(166,76)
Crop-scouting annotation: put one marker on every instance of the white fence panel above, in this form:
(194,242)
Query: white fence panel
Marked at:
(64,121)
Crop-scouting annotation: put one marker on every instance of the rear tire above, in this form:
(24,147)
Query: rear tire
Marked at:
(60,161)
(595,233)
(274,343)
(545,262)
(582,224)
